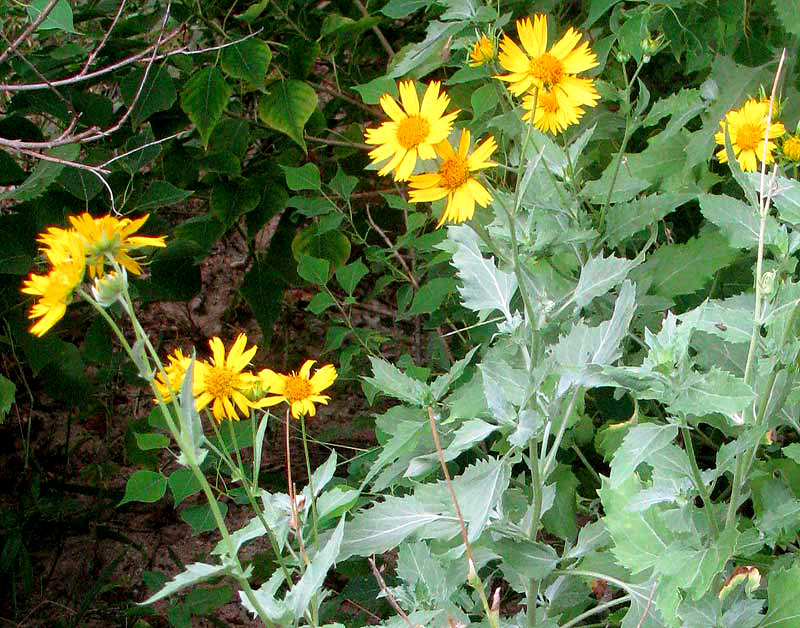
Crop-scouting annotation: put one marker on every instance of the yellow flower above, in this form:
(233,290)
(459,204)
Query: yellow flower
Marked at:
(748,128)
(223,382)
(555,111)
(109,238)
(413,130)
(454,181)
(300,390)
(55,289)
(536,67)
(482,52)
(791,148)
(175,372)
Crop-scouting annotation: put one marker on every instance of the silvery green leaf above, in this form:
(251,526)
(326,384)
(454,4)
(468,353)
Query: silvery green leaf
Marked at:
(524,560)
(639,443)
(258,445)
(730,319)
(738,221)
(298,598)
(479,489)
(716,391)
(744,613)
(591,537)
(470,433)
(190,423)
(193,574)
(403,442)
(599,275)
(423,572)
(442,383)
(627,219)
(276,517)
(391,381)
(503,387)
(276,610)
(484,287)
(584,346)
(323,474)
(139,357)
(390,522)
(785,197)
(336,501)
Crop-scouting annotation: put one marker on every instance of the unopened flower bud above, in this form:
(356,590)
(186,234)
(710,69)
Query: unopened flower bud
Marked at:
(110,287)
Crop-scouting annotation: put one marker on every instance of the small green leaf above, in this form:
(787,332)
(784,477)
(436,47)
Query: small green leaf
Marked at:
(7,391)
(641,442)
(343,184)
(484,100)
(248,60)
(371,92)
(313,269)
(161,194)
(144,486)
(431,295)
(158,92)
(783,592)
(391,381)
(304,178)
(253,11)
(288,107)
(263,289)
(43,175)
(348,276)
(183,484)
(230,201)
(203,98)
(59,18)
(201,518)
(321,302)
(331,246)
(151,440)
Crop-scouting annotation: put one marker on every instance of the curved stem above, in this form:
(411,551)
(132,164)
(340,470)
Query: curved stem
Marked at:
(698,482)
(314,516)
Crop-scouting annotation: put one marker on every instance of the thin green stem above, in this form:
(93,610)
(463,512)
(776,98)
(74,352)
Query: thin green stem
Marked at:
(314,516)
(597,609)
(551,456)
(698,482)
(536,487)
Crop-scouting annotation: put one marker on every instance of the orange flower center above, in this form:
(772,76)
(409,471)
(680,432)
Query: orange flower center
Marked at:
(297,388)
(748,136)
(547,101)
(412,131)
(548,69)
(220,381)
(454,172)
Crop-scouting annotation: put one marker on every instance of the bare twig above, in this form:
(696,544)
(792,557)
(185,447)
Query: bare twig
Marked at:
(393,249)
(384,42)
(183,51)
(322,140)
(64,162)
(93,54)
(388,595)
(30,87)
(30,28)
(143,146)
(357,103)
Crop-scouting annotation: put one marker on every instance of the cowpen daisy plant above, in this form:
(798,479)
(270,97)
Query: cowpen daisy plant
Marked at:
(223,387)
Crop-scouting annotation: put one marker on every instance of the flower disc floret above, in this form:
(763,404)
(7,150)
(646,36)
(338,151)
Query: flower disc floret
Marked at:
(747,128)
(413,130)
(300,390)
(454,180)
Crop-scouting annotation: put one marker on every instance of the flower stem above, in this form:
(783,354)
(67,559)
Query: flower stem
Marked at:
(698,482)
(314,516)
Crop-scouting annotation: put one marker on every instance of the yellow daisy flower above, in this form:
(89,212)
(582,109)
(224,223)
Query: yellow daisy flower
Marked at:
(109,237)
(413,130)
(555,110)
(536,67)
(300,390)
(482,52)
(454,181)
(55,289)
(175,372)
(223,382)
(791,147)
(748,128)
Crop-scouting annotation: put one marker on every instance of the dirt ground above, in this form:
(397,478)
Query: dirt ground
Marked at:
(87,556)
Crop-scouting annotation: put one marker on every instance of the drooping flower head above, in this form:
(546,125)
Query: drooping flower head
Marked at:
(413,130)
(553,69)
(791,148)
(109,238)
(223,381)
(482,52)
(747,128)
(54,290)
(555,111)
(300,390)
(175,371)
(454,179)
